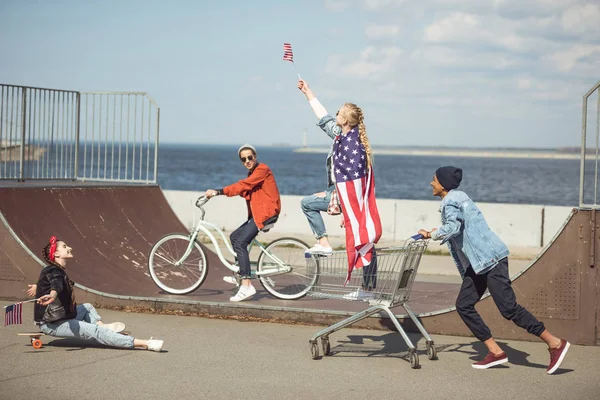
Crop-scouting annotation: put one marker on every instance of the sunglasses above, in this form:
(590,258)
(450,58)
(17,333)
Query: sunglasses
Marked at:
(250,158)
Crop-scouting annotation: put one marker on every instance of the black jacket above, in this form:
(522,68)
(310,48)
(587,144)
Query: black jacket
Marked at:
(53,277)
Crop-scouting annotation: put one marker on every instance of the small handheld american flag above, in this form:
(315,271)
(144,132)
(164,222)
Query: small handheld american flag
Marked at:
(13,314)
(288,55)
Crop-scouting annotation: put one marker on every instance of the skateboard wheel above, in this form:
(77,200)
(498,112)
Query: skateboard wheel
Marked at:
(37,344)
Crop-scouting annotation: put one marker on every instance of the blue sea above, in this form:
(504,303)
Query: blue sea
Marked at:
(200,167)
(493,180)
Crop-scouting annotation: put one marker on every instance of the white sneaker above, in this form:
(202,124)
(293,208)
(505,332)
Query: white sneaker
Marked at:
(231,279)
(318,249)
(359,295)
(155,345)
(115,326)
(244,293)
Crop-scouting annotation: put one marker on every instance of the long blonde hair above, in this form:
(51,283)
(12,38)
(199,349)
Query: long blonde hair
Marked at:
(355,116)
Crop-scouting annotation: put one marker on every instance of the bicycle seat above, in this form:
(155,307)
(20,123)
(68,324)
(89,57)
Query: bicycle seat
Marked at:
(269,223)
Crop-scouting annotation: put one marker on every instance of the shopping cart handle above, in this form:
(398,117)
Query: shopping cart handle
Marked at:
(418,236)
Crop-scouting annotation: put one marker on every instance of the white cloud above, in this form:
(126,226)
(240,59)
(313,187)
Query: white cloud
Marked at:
(382,31)
(582,19)
(566,59)
(524,60)
(373,63)
(462,28)
(449,57)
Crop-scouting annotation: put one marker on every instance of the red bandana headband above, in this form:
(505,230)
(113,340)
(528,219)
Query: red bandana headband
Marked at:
(52,249)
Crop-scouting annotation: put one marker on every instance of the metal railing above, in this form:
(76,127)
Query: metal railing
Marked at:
(589,162)
(119,135)
(38,132)
(89,136)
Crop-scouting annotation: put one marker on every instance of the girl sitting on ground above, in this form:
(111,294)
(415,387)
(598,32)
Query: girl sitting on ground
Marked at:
(57,314)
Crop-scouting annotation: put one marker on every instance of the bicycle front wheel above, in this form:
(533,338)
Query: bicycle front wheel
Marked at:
(177,279)
(282,254)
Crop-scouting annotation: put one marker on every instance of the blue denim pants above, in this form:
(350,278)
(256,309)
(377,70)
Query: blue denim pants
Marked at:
(84,327)
(240,239)
(312,206)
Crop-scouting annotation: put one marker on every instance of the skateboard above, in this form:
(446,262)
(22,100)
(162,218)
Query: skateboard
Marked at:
(36,342)
(34,337)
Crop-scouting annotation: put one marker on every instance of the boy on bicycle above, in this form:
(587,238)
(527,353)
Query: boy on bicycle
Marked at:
(264,205)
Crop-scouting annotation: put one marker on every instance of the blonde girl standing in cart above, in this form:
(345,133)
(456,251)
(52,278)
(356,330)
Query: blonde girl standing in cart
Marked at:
(349,168)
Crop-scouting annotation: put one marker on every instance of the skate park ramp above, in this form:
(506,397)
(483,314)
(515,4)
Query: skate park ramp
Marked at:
(112,228)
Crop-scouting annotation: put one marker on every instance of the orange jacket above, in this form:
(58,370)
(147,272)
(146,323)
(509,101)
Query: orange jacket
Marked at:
(261,194)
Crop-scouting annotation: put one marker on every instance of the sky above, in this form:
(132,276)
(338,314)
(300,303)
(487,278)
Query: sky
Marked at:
(474,73)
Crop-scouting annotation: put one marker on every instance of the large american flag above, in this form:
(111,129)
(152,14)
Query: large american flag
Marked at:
(356,189)
(13,314)
(287,52)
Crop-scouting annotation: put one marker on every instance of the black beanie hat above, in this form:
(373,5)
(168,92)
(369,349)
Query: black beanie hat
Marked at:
(449,177)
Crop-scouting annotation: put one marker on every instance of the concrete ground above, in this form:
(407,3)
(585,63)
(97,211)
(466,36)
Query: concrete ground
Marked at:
(229,359)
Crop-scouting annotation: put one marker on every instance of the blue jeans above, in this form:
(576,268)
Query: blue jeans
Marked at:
(311,207)
(240,239)
(370,273)
(84,327)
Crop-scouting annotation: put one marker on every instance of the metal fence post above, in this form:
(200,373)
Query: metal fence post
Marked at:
(77,137)
(156,145)
(23,135)
(583,146)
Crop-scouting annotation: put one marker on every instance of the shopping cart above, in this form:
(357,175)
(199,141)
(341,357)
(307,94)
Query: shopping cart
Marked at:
(385,284)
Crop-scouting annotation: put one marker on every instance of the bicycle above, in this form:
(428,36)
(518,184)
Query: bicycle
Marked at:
(281,267)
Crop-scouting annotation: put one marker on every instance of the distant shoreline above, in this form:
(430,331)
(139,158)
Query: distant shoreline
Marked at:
(460,153)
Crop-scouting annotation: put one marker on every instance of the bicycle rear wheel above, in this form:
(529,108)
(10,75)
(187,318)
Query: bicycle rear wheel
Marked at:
(288,252)
(181,279)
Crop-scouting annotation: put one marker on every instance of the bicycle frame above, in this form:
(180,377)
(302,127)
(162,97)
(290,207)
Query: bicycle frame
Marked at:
(204,226)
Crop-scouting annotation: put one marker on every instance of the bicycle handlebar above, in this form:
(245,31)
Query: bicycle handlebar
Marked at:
(202,200)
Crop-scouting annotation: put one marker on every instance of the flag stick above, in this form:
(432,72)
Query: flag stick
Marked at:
(299,77)
(22,302)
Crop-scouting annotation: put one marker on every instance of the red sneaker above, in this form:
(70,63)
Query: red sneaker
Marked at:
(491,360)
(557,355)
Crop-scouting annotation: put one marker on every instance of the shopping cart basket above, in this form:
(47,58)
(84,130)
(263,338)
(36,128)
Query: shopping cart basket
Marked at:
(386,283)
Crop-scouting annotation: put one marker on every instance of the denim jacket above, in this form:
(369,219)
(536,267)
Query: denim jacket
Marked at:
(465,230)
(332,129)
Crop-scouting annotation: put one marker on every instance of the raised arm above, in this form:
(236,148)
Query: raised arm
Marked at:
(326,121)
(315,104)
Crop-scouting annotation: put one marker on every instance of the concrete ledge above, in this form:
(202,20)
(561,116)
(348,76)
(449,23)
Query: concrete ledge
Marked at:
(524,228)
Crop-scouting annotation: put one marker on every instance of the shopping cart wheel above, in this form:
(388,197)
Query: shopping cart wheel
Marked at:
(314,350)
(414,359)
(431,351)
(325,346)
